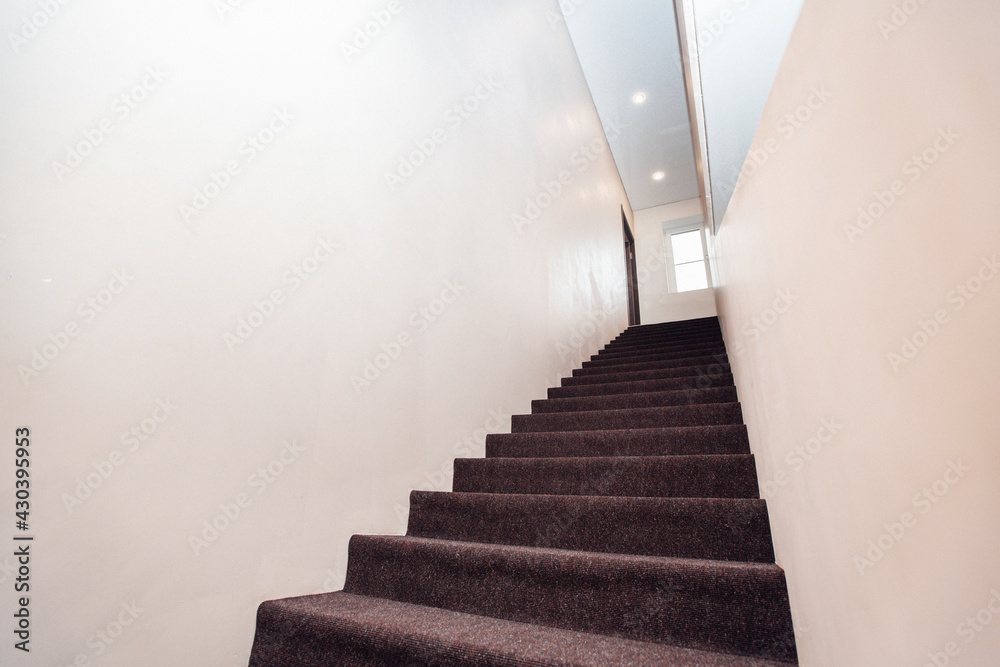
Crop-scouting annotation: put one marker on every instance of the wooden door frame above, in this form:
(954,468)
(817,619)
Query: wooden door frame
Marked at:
(631,274)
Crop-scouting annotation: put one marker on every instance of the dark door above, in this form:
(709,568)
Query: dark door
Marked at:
(631,275)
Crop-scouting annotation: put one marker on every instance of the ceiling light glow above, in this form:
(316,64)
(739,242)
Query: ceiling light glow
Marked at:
(659,176)
(639,98)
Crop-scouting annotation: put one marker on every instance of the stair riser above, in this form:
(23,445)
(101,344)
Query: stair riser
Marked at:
(693,415)
(644,599)
(660,349)
(635,376)
(617,388)
(653,365)
(647,341)
(648,477)
(671,327)
(662,329)
(709,319)
(633,401)
(731,530)
(344,630)
(708,440)
(646,358)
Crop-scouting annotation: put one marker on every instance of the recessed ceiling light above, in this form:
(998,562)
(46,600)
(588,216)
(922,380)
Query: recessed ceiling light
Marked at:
(639,98)
(659,176)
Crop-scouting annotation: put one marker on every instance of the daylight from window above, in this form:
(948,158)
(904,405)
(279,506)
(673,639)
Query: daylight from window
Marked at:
(689,261)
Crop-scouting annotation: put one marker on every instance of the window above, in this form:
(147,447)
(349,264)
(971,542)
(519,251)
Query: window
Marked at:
(689,261)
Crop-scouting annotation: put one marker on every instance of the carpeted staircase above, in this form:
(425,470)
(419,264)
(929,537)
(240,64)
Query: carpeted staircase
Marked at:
(618,524)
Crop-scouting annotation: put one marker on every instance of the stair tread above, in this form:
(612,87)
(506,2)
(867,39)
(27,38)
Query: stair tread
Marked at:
(653,365)
(733,529)
(694,370)
(647,399)
(674,415)
(643,386)
(390,632)
(665,355)
(620,442)
(701,604)
(692,476)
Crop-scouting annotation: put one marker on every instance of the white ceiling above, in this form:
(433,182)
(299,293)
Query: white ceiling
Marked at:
(631,47)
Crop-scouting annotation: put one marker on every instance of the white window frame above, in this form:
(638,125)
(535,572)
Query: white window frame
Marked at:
(668,247)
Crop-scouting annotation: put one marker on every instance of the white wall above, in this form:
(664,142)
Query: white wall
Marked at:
(817,309)
(656,302)
(740,44)
(527,301)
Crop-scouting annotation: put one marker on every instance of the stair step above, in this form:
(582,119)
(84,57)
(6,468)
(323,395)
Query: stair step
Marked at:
(654,332)
(341,629)
(717,351)
(671,328)
(652,399)
(737,608)
(697,321)
(711,414)
(619,523)
(695,476)
(663,373)
(657,349)
(685,440)
(653,365)
(666,384)
(710,528)
(672,339)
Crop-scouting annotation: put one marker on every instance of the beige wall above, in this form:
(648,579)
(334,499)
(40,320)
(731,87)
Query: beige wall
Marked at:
(864,343)
(656,302)
(379,326)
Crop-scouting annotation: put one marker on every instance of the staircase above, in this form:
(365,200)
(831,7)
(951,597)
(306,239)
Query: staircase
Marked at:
(618,524)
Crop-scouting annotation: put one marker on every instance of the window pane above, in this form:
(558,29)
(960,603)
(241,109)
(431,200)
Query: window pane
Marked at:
(691,276)
(687,247)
